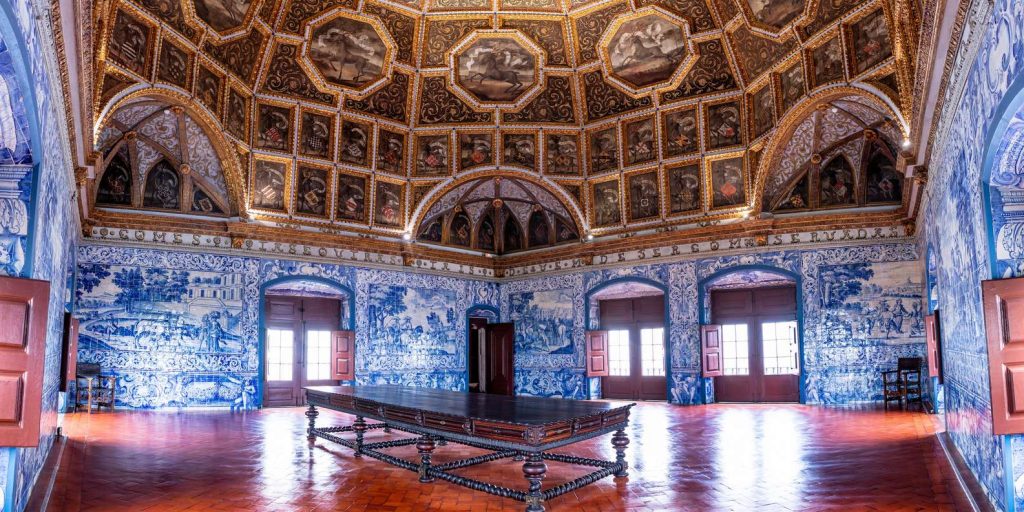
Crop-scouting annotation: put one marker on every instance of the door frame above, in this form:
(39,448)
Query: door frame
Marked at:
(350,297)
(482,311)
(588,305)
(704,307)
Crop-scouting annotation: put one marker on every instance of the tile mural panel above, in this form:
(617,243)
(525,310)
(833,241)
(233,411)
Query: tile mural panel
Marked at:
(543,321)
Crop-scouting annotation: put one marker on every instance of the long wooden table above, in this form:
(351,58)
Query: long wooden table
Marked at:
(518,427)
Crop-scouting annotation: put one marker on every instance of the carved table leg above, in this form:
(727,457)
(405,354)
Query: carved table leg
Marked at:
(359,427)
(311,413)
(534,469)
(387,428)
(620,441)
(425,445)
(519,457)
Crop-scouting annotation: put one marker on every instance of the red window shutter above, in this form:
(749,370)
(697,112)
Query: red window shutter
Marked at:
(344,355)
(711,350)
(931,337)
(597,353)
(1003,302)
(23,309)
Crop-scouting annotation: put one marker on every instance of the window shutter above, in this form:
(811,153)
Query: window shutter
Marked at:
(23,309)
(711,350)
(344,343)
(1003,302)
(931,336)
(597,353)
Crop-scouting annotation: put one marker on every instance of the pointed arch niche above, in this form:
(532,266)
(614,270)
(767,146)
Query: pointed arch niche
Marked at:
(158,157)
(498,215)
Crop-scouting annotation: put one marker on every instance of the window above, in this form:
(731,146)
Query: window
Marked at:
(778,342)
(318,355)
(280,354)
(618,353)
(652,352)
(735,349)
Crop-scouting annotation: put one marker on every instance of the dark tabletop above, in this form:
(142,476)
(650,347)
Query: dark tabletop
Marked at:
(526,410)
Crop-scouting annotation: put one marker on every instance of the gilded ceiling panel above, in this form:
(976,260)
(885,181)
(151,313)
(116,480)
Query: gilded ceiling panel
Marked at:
(589,28)
(712,73)
(239,56)
(696,12)
(284,76)
(390,102)
(604,100)
(554,104)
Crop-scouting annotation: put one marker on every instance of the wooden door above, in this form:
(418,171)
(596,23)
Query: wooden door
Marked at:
(500,359)
(23,308)
(760,362)
(636,348)
(299,347)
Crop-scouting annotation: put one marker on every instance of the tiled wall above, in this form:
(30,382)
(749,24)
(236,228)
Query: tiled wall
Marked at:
(842,290)
(182,329)
(44,248)
(955,228)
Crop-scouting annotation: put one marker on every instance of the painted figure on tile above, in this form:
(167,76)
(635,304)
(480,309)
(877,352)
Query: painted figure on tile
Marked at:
(348,52)
(412,322)
(544,321)
(870,299)
(211,332)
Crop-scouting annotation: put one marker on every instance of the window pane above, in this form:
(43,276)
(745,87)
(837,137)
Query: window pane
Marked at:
(778,340)
(618,353)
(318,355)
(735,349)
(279,354)
(652,352)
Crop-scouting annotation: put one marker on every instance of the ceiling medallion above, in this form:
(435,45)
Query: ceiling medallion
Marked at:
(225,17)
(645,51)
(349,52)
(772,16)
(496,68)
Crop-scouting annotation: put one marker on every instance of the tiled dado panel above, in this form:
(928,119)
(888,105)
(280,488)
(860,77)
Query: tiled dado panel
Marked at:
(182,328)
(955,230)
(862,309)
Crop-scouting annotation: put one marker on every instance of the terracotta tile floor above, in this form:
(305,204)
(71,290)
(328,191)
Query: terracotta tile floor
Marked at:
(719,457)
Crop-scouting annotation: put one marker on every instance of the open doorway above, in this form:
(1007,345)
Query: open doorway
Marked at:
(303,322)
(756,314)
(490,353)
(634,316)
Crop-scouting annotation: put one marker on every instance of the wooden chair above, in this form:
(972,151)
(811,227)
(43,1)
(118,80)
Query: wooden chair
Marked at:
(892,388)
(910,377)
(93,388)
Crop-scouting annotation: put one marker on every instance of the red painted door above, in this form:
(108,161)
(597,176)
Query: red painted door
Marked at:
(500,358)
(760,360)
(23,307)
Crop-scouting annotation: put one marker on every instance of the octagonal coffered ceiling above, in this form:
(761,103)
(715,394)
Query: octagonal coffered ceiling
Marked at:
(496,68)
(647,50)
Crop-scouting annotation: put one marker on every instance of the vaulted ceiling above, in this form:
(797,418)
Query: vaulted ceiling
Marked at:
(610,117)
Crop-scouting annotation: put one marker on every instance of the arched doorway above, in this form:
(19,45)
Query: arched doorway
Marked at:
(756,312)
(305,337)
(632,315)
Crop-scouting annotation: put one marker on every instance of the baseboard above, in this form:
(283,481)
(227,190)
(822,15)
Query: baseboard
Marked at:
(40,497)
(972,489)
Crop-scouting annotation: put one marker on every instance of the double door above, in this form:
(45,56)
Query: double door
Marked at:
(636,348)
(759,347)
(300,347)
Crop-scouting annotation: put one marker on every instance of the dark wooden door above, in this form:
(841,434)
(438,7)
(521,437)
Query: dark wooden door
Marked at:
(500,357)
(636,348)
(299,347)
(760,362)
(23,311)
